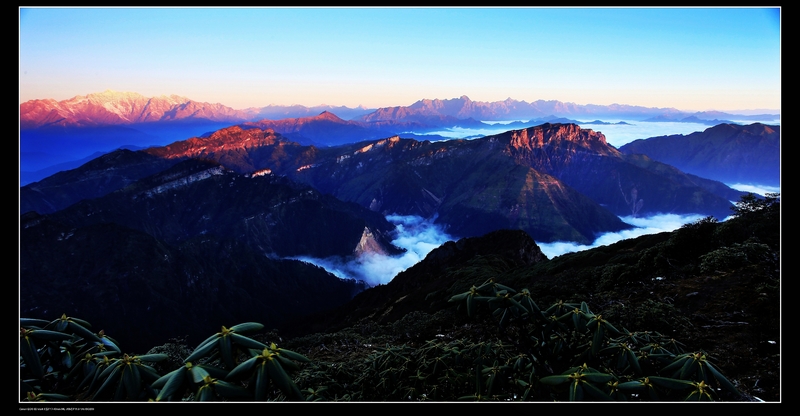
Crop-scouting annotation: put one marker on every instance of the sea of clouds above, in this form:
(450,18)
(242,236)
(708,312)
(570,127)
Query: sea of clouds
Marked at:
(419,236)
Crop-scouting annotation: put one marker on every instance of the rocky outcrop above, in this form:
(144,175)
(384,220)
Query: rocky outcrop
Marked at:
(566,138)
(370,244)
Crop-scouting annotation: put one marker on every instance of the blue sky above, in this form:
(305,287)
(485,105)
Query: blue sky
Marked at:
(687,58)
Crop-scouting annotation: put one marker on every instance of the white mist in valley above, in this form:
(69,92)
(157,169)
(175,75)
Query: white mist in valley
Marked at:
(418,236)
(762,190)
(644,225)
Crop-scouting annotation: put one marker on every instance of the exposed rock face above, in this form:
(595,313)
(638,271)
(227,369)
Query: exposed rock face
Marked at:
(569,136)
(370,244)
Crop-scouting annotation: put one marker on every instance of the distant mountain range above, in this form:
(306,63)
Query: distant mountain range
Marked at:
(130,108)
(463,108)
(58,132)
(124,108)
(726,152)
(324,129)
(120,108)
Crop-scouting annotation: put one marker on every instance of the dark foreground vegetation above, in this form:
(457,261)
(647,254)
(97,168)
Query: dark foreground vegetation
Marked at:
(688,315)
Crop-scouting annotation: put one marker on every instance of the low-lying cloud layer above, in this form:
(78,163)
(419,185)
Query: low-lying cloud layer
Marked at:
(644,225)
(415,234)
(420,236)
(756,189)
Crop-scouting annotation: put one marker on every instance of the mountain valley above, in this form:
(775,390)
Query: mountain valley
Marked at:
(168,243)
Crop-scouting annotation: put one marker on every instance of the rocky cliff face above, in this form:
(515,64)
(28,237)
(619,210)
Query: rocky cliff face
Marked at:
(626,185)
(560,135)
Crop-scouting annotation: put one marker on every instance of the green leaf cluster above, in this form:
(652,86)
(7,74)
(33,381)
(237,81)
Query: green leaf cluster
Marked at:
(605,363)
(563,352)
(63,360)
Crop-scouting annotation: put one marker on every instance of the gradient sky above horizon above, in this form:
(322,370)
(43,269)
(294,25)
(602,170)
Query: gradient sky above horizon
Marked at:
(686,58)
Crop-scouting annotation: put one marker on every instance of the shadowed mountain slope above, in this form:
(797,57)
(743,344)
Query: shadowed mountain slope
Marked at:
(93,179)
(144,290)
(473,186)
(726,152)
(272,215)
(555,181)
